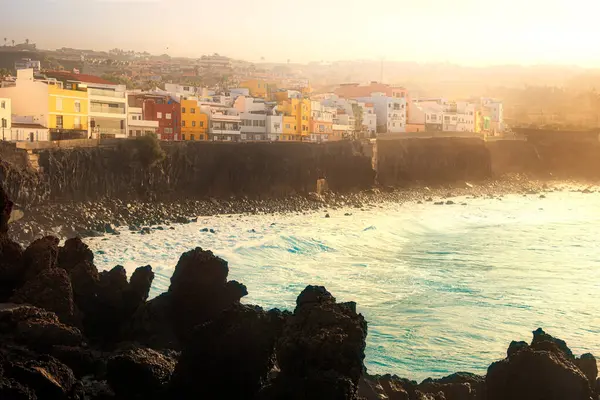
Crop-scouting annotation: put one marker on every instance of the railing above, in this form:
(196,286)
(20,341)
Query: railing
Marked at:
(110,131)
(106,109)
(106,93)
(143,123)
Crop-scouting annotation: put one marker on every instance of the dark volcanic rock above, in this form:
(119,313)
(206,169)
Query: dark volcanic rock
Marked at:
(543,341)
(240,341)
(140,373)
(47,377)
(83,361)
(152,324)
(73,253)
(587,364)
(531,374)
(11,270)
(6,206)
(36,327)
(458,386)
(515,347)
(199,290)
(41,255)
(50,290)
(322,347)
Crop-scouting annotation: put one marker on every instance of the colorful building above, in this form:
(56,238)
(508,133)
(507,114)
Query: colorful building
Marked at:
(67,112)
(160,108)
(300,110)
(194,124)
(257,88)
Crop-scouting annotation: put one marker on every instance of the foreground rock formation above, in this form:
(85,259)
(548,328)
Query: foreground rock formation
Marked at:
(69,331)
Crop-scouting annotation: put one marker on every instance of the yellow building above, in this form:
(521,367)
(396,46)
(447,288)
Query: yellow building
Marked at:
(298,111)
(257,88)
(478,121)
(67,111)
(289,128)
(194,124)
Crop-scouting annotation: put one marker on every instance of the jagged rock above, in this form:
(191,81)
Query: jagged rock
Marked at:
(6,206)
(587,364)
(141,373)
(93,389)
(41,255)
(531,374)
(50,290)
(151,324)
(515,347)
(383,387)
(73,253)
(323,385)
(36,327)
(11,269)
(139,286)
(240,341)
(458,386)
(199,290)
(83,361)
(46,376)
(541,339)
(322,341)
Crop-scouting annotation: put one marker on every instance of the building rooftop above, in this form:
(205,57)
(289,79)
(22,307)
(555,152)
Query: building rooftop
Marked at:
(78,77)
(27,126)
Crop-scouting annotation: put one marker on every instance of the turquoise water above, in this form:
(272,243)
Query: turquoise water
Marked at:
(444,288)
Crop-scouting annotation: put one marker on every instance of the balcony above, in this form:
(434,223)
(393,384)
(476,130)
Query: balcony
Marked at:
(110,132)
(106,93)
(144,124)
(105,109)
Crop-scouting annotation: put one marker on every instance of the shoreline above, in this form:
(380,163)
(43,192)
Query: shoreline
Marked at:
(70,332)
(94,219)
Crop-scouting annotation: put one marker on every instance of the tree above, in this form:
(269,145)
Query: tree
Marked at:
(5,39)
(4,73)
(27,42)
(13,42)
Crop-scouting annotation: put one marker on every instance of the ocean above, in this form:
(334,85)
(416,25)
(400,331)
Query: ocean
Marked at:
(443,288)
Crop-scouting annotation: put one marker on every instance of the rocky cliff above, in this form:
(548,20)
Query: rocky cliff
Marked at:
(204,169)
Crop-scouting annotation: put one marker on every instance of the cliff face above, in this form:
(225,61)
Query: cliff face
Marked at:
(435,160)
(543,158)
(196,170)
(22,183)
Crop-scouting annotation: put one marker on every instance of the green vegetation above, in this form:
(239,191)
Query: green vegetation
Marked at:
(149,152)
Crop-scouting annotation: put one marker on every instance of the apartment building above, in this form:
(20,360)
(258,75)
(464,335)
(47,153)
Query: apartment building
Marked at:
(390,112)
(5,117)
(160,108)
(194,123)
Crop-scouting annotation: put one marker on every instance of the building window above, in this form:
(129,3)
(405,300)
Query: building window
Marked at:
(3,104)
(182,136)
(201,124)
(287,126)
(168,115)
(276,126)
(168,130)
(193,110)
(193,123)
(58,104)
(192,137)
(59,121)
(158,115)
(4,123)
(201,137)
(183,110)
(183,123)
(77,107)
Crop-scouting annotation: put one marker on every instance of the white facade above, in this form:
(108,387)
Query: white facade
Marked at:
(27,63)
(136,125)
(21,132)
(28,97)
(185,90)
(249,104)
(253,126)
(224,124)
(274,127)
(5,117)
(107,110)
(390,111)
(369,118)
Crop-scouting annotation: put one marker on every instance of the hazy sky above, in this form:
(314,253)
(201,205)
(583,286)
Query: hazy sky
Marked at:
(471,32)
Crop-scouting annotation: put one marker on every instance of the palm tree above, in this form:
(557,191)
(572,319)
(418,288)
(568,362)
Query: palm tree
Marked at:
(27,41)
(13,42)
(5,39)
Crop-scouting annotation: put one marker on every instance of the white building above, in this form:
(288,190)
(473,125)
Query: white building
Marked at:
(137,126)
(369,119)
(177,90)
(390,111)
(5,117)
(274,127)
(224,123)
(27,63)
(107,110)
(28,131)
(253,118)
